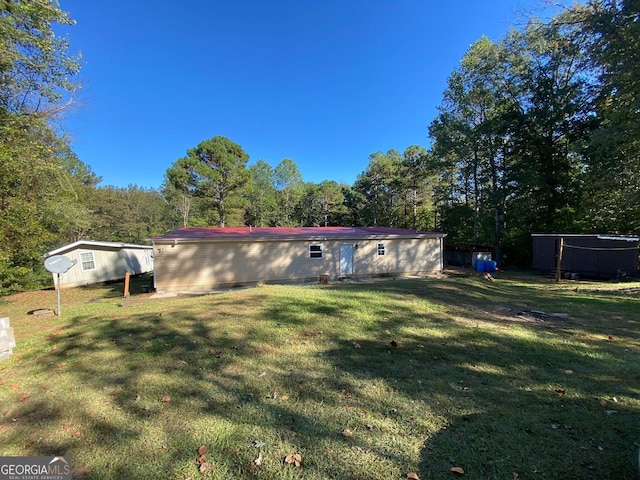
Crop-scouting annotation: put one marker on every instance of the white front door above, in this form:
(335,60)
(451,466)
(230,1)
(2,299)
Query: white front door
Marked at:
(346,259)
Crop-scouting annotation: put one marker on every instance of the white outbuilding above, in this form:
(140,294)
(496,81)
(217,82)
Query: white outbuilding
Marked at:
(98,262)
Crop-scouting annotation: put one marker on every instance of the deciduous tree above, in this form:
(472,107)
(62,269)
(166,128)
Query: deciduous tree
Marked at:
(262,207)
(289,188)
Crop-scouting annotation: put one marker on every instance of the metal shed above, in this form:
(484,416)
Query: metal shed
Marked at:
(587,255)
(203,259)
(466,254)
(102,261)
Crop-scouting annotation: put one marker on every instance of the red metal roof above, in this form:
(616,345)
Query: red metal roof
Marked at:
(244,233)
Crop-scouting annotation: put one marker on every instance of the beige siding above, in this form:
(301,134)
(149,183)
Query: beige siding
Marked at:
(402,256)
(204,266)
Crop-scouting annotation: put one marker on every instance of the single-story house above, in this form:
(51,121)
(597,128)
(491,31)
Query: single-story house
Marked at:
(102,261)
(203,259)
(587,255)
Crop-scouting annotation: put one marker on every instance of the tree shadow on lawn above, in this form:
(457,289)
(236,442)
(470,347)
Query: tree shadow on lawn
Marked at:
(490,398)
(505,414)
(121,372)
(516,404)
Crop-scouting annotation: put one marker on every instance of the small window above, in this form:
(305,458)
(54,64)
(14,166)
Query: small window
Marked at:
(381,251)
(87,261)
(315,251)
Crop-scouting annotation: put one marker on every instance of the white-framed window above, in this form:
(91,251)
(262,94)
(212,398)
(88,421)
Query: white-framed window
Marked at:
(315,251)
(381,250)
(87,261)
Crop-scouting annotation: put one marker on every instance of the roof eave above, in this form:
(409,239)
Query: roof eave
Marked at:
(93,243)
(291,238)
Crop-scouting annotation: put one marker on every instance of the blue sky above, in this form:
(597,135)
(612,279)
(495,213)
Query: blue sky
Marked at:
(322,82)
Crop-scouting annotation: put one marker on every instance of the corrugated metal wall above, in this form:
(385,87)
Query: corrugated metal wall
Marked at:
(587,255)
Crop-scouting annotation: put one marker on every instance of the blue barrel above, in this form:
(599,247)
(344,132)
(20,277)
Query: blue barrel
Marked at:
(490,266)
(480,265)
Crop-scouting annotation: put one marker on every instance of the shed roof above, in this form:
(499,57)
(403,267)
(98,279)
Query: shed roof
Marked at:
(599,236)
(91,244)
(293,233)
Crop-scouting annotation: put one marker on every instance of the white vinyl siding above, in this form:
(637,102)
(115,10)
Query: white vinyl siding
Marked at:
(104,263)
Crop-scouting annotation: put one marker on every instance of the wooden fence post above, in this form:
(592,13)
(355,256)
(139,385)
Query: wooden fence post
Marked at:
(127,276)
(559,263)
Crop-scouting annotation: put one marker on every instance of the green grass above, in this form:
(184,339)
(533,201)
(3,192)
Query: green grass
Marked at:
(472,383)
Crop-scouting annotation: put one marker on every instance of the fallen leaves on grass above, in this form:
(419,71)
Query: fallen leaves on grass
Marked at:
(258,460)
(165,399)
(560,392)
(356,345)
(24,397)
(413,476)
(293,459)
(457,470)
(276,396)
(347,433)
(202,460)
(568,372)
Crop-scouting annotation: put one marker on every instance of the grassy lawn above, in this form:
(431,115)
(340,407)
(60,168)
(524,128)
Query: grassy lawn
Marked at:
(361,380)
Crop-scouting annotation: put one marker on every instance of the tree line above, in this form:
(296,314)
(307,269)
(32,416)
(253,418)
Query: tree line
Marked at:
(536,132)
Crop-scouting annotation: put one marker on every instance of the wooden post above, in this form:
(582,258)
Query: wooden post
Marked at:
(559,262)
(126,284)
